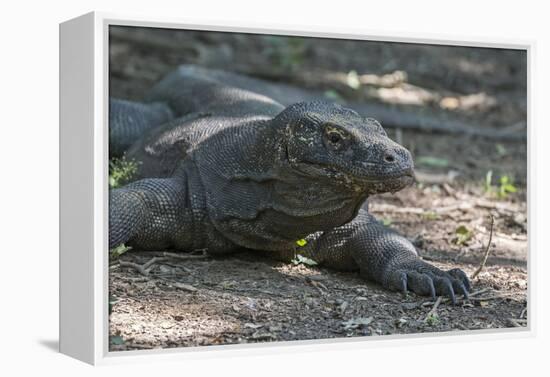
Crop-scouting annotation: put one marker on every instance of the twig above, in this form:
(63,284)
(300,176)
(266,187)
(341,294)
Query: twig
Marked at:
(185,256)
(479,292)
(135,266)
(522,314)
(144,268)
(184,287)
(153,261)
(487,249)
(434,309)
(488,298)
(449,190)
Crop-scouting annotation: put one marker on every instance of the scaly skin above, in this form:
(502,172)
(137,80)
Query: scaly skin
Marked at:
(238,170)
(128,121)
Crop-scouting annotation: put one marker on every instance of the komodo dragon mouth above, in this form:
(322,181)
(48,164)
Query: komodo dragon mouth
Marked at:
(390,184)
(371,183)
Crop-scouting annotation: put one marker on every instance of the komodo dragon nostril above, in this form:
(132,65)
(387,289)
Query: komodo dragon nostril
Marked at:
(389,158)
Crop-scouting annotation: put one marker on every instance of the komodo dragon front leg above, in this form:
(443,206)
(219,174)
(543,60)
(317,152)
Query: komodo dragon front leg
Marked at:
(164,213)
(147,212)
(383,256)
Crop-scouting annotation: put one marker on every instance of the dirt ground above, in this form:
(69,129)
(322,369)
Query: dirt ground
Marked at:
(164,300)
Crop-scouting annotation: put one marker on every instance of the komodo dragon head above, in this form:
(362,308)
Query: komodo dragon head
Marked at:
(330,142)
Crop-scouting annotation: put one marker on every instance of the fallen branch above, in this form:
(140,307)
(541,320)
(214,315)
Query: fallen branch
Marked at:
(393,117)
(487,249)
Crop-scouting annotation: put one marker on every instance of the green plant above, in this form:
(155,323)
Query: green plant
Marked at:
(463,235)
(121,171)
(505,185)
(432,319)
(118,251)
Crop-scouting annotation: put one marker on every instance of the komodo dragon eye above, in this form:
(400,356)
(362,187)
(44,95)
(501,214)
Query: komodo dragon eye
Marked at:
(335,137)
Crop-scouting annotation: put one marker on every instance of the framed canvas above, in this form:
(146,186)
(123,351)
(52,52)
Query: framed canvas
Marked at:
(235,189)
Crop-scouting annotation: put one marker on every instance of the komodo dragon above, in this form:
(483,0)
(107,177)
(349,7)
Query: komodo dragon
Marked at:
(237,170)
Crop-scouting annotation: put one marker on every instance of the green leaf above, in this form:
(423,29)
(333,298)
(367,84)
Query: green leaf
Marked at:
(506,186)
(300,259)
(432,161)
(117,340)
(463,235)
(302,242)
(386,222)
(462,230)
(118,251)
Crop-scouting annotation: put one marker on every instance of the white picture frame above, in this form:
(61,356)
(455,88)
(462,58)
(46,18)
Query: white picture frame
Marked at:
(84,191)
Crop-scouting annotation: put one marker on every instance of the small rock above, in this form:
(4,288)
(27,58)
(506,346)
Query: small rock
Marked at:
(409,305)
